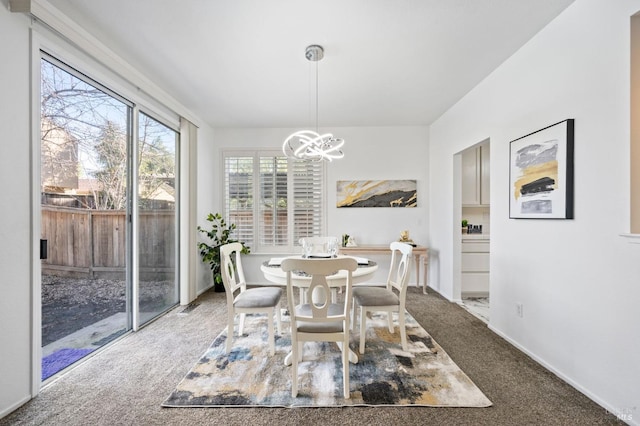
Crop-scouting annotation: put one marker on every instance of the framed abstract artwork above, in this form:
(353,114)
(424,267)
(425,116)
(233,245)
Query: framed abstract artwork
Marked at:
(376,193)
(541,173)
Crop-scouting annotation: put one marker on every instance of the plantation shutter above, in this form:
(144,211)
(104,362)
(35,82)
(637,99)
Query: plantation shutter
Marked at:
(307,199)
(288,194)
(274,198)
(238,197)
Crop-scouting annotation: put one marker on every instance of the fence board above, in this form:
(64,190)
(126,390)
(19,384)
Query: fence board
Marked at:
(90,240)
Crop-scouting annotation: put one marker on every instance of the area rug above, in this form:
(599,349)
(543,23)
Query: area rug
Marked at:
(384,375)
(61,359)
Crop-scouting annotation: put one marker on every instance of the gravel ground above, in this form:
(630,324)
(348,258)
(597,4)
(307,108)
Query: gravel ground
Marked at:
(69,304)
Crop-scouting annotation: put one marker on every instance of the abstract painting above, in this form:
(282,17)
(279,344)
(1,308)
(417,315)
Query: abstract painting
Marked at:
(541,173)
(376,193)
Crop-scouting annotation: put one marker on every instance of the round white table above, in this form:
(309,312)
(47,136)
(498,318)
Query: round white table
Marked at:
(274,273)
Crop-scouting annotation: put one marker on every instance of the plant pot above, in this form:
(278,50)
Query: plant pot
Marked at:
(218,288)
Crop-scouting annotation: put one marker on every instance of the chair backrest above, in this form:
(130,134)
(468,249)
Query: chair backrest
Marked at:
(320,244)
(231,268)
(319,289)
(399,269)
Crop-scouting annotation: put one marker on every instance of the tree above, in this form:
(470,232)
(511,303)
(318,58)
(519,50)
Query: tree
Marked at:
(85,137)
(111,150)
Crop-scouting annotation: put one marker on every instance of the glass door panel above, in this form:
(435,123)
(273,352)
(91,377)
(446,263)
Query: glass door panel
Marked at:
(85,135)
(157,219)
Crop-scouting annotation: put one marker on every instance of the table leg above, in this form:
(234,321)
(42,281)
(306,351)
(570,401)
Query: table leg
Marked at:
(425,259)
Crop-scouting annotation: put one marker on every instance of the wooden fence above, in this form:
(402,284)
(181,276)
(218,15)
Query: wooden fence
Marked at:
(92,243)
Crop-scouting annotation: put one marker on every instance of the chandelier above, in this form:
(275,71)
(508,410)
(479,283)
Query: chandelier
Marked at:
(310,145)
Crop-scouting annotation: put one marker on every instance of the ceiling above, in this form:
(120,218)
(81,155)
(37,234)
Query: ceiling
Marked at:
(240,63)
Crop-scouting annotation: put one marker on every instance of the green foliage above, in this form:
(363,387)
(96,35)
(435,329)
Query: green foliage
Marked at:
(464,223)
(218,235)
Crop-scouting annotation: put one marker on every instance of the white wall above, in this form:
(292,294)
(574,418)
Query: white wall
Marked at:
(17,345)
(207,199)
(577,279)
(15,251)
(370,153)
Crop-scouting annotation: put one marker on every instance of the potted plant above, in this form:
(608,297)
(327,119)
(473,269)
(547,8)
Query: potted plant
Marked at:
(465,223)
(218,235)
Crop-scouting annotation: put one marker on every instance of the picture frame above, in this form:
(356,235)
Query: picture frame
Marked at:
(376,193)
(541,173)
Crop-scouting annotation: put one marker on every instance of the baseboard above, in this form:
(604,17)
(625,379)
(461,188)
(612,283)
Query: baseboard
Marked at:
(201,291)
(450,299)
(605,405)
(475,294)
(14,407)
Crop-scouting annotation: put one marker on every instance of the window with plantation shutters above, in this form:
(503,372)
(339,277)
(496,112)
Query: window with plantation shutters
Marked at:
(238,196)
(288,194)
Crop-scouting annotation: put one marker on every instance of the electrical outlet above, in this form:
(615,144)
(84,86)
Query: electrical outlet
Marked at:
(519,310)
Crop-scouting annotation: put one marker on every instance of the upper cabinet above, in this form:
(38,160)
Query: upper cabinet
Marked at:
(475,176)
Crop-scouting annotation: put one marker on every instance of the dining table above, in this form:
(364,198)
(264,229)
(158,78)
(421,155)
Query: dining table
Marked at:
(273,273)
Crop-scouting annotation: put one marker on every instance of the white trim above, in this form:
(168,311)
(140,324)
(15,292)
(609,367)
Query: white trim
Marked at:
(555,371)
(133,276)
(187,211)
(633,238)
(36,219)
(11,408)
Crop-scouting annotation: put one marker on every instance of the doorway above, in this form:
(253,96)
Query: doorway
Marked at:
(108,216)
(475,229)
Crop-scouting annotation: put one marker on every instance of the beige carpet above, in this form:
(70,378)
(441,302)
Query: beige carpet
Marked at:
(384,375)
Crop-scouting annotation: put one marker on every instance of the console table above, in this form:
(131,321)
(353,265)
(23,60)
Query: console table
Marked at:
(420,255)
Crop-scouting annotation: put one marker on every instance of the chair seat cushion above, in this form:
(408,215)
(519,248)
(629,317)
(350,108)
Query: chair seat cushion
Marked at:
(261,297)
(320,327)
(375,296)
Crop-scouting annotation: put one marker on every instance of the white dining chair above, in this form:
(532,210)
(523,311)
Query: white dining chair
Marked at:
(319,320)
(390,298)
(241,300)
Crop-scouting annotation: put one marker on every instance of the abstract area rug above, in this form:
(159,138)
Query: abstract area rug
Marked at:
(384,375)
(61,359)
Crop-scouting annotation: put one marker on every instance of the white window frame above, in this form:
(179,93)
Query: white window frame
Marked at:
(292,242)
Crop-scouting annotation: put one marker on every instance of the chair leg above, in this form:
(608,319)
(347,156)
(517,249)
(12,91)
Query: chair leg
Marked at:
(353,314)
(390,321)
(363,327)
(230,316)
(241,325)
(272,338)
(403,331)
(278,319)
(294,365)
(345,365)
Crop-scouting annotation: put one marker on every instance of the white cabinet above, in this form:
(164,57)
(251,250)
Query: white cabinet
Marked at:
(475,267)
(484,175)
(475,176)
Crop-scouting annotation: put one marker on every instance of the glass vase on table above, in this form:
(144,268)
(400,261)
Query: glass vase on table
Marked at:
(332,247)
(307,249)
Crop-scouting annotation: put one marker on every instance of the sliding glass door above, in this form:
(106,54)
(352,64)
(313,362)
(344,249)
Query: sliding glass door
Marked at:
(85,134)
(157,220)
(99,190)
